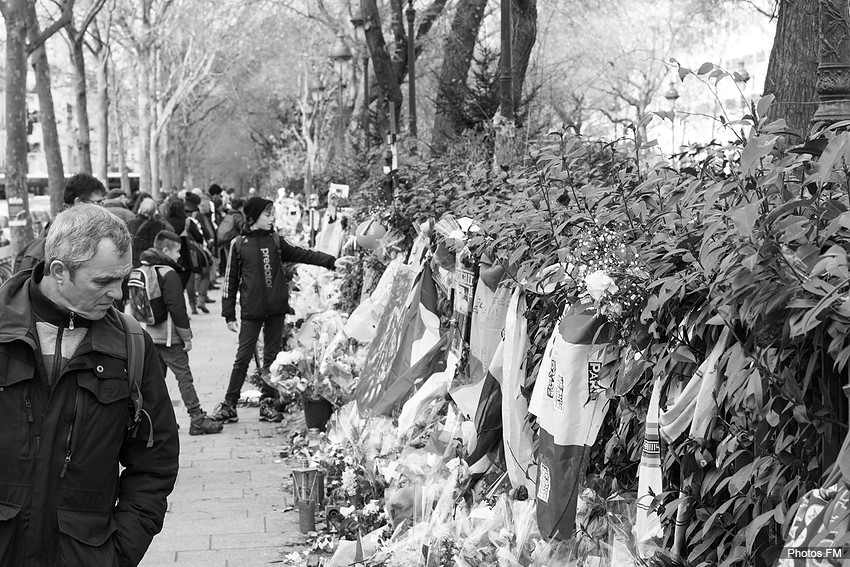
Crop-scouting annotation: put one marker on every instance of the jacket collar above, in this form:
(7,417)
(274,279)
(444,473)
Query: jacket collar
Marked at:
(106,335)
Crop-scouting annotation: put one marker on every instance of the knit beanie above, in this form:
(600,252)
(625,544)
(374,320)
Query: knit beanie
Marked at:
(254,207)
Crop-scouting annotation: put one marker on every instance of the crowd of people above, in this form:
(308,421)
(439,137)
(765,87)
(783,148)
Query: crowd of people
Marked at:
(92,321)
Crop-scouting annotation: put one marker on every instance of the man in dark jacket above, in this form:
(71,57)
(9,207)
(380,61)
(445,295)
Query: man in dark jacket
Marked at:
(66,428)
(255,271)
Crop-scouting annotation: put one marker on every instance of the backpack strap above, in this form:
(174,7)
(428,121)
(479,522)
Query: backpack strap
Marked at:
(277,237)
(135,339)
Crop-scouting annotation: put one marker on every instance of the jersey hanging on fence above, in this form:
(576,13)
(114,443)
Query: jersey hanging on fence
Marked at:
(570,402)
(144,289)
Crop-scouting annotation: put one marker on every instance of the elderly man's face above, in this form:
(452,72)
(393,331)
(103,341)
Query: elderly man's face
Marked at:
(96,283)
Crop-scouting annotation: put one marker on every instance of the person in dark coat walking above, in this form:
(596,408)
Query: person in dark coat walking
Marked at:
(144,228)
(255,271)
(80,482)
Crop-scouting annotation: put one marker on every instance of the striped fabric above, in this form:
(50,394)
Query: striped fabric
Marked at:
(647,521)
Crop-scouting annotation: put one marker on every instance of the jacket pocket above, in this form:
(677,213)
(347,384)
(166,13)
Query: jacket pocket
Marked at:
(107,381)
(16,378)
(85,538)
(9,532)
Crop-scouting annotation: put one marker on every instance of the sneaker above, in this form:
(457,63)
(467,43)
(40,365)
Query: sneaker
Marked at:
(202,306)
(268,413)
(194,309)
(209,300)
(203,425)
(225,413)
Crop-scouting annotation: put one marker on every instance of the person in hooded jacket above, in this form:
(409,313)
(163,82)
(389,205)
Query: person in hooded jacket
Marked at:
(81,482)
(173,336)
(255,272)
(145,227)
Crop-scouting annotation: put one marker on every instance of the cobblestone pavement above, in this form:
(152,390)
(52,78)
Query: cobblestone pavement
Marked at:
(231,505)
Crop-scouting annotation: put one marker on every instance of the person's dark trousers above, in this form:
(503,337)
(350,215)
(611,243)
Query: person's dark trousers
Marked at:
(249,332)
(177,359)
(191,287)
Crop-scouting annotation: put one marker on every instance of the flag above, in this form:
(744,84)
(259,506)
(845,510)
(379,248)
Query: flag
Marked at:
(695,406)
(647,520)
(487,413)
(489,311)
(570,402)
(374,378)
(433,362)
(517,434)
(419,334)
(434,386)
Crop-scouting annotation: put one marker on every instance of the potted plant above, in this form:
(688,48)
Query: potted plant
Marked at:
(320,378)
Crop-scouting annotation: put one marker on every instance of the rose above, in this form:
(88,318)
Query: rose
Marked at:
(598,284)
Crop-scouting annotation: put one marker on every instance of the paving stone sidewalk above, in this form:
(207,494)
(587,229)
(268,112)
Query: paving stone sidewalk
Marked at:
(229,507)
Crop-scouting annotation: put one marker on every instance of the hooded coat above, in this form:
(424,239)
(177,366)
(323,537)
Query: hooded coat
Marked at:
(64,433)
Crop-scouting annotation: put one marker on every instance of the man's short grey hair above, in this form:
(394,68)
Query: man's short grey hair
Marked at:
(76,232)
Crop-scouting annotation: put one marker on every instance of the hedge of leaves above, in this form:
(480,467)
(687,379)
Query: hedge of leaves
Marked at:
(753,237)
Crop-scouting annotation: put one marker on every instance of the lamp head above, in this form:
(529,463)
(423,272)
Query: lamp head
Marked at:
(672,94)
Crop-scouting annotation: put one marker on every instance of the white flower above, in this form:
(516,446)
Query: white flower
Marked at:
(598,284)
(349,482)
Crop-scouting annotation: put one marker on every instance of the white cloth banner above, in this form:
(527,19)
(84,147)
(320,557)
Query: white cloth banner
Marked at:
(517,434)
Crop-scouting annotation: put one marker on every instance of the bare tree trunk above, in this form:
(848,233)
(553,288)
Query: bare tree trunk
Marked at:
(82,113)
(144,117)
(155,108)
(524,34)
(167,161)
(457,56)
(382,63)
(122,158)
(102,122)
(792,69)
(14,15)
(47,116)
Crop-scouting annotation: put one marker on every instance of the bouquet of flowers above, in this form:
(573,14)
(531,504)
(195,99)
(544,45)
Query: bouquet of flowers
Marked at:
(324,363)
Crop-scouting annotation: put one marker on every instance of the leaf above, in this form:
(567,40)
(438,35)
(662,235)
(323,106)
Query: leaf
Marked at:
(740,478)
(745,218)
(764,103)
(705,68)
(683,72)
(756,526)
(833,151)
(757,148)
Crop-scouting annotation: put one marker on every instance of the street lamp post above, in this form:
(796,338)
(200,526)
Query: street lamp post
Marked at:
(411,75)
(360,31)
(340,56)
(672,95)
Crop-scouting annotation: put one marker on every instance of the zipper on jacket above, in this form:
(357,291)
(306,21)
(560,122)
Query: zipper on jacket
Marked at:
(29,408)
(57,354)
(71,321)
(68,441)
